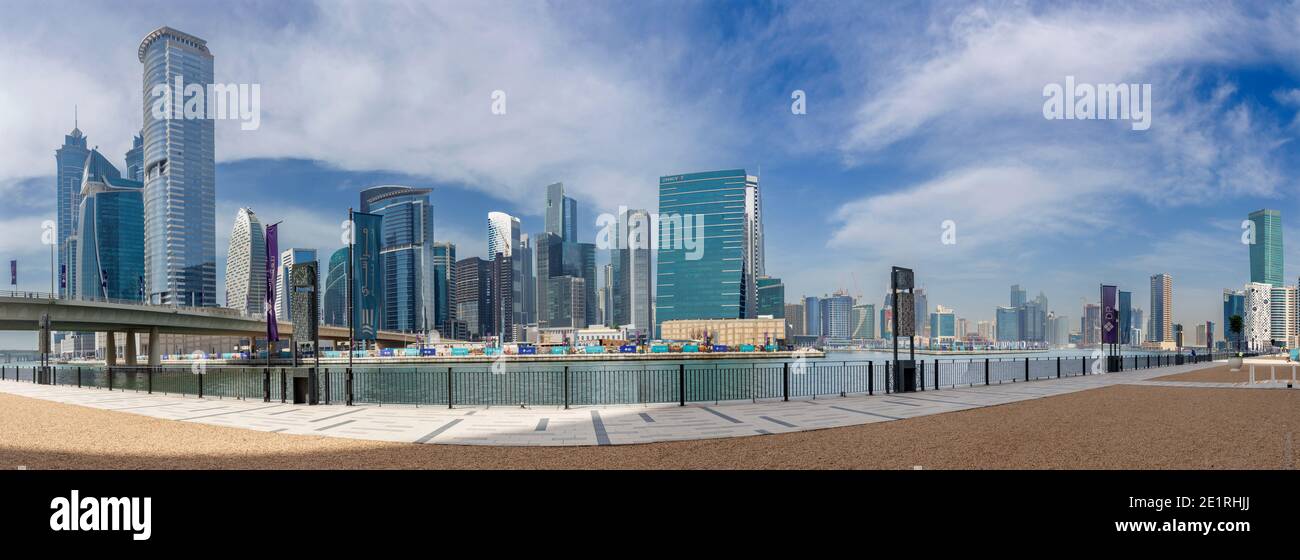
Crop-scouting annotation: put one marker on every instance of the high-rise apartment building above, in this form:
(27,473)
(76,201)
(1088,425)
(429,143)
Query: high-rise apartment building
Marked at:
(1162,309)
(70,162)
(1266,252)
(406,256)
(246,265)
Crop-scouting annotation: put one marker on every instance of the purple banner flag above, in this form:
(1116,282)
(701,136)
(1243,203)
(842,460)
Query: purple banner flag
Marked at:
(272,266)
(1109,317)
(63,276)
(13,273)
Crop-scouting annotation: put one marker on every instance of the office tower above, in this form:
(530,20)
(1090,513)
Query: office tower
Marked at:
(1258,320)
(1008,324)
(504,288)
(922,313)
(406,255)
(334,310)
(110,233)
(526,307)
(135,159)
(503,239)
(837,325)
(284,281)
(567,302)
(1017,296)
(963,328)
(561,213)
(864,321)
(444,288)
(606,295)
(1058,329)
(1125,316)
(1266,253)
(1139,321)
(1090,326)
(943,325)
(812,316)
(246,265)
(549,250)
(1200,335)
(1032,319)
(710,246)
(984,330)
(1162,308)
(1282,315)
(474,296)
(631,268)
(771,297)
(886,322)
(70,162)
(794,320)
(180,197)
(1234,303)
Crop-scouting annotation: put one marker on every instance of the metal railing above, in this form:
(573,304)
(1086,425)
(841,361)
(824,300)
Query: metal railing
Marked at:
(578,385)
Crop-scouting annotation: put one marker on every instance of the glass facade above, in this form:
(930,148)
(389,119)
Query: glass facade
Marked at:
(631,272)
(836,320)
(1008,327)
(406,255)
(70,161)
(708,256)
(335,307)
(110,248)
(1266,252)
(179,163)
(771,297)
(1125,317)
(1234,303)
(444,288)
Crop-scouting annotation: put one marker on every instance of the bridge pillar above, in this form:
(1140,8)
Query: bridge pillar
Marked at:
(110,349)
(130,348)
(155,348)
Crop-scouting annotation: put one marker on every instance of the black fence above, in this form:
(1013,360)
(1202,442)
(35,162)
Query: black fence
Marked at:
(577,385)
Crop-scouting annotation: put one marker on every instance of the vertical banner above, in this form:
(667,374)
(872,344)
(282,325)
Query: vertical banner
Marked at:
(366,285)
(13,273)
(63,276)
(272,266)
(1109,317)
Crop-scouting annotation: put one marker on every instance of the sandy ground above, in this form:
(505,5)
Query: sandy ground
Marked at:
(1129,427)
(1224,374)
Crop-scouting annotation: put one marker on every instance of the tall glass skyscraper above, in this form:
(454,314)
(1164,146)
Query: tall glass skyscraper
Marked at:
(1125,317)
(335,307)
(504,240)
(179,166)
(444,288)
(836,318)
(630,268)
(1162,309)
(1234,303)
(1266,252)
(710,246)
(771,297)
(406,248)
(110,248)
(561,213)
(70,162)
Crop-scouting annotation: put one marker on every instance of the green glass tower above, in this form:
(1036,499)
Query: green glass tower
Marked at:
(1266,252)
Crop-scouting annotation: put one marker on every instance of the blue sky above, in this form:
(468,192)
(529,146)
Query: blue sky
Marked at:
(916,113)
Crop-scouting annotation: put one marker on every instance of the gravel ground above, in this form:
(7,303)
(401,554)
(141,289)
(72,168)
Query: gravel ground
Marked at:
(1223,374)
(1119,427)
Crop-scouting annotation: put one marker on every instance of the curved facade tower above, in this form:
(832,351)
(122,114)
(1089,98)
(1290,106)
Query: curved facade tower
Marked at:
(179,175)
(246,265)
(110,244)
(335,308)
(406,255)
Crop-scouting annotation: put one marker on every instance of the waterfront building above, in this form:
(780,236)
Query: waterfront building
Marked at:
(1234,303)
(1283,315)
(567,302)
(1200,335)
(630,263)
(1125,316)
(527,305)
(1139,326)
(335,307)
(179,166)
(70,163)
(771,297)
(812,309)
(503,237)
(1266,257)
(1162,308)
(1090,326)
(406,255)
(709,276)
(1258,320)
(1032,319)
(984,330)
(284,281)
(1018,296)
(728,332)
(473,303)
(1058,329)
(837,326)
(246,265)
(110,235)
(1008,324)
(444,288)
(794,319)
(943,326)
(864,321)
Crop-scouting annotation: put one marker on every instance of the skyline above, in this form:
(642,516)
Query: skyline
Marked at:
(1046,230)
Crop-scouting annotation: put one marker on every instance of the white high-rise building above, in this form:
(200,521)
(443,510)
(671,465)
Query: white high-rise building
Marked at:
(503,239)
(1259,316)
(246,265)
(1283,315)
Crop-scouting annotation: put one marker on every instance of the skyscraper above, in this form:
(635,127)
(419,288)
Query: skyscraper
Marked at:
(527,304)
(284,281)
(503,239)
(1234,303)
(837,324)
(110,233)
(943,325)
(771,297)
(631,267)
(474,296)
(1017,295)
(70,162)
(335,307)
(179,164)
(1283,315)
(710,246)
(561,213)
(246,265)
(444,288)
(135,159)
(812,316)
(1125,317)
(1008,324)
(1162,308)
(1258,321)
(1266,251)
(793,319)
(864,321)
(406,255)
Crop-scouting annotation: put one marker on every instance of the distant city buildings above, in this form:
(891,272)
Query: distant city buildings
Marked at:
(943,326)
(473,301)
(1008,324)
(406,256)
(1125,317)
(246,265)
(334,309)
(110,234)
(1162,309)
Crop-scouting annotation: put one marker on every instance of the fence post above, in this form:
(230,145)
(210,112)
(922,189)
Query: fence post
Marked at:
(1083,365)
(266,384)
(347,386)
(200,384)
(681,384)
(327,385)
(109,372)
(888,382)
(566,387)
(936,374)
(1026,369)
(1058,367)
(282,385)
(921,375)
(150,385)
(986,371)
(450,388)
(871,378)
(78,377)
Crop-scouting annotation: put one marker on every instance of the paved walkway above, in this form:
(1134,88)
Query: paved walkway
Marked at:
(606,425)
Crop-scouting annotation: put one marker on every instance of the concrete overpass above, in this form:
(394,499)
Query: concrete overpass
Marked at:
(22,311)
